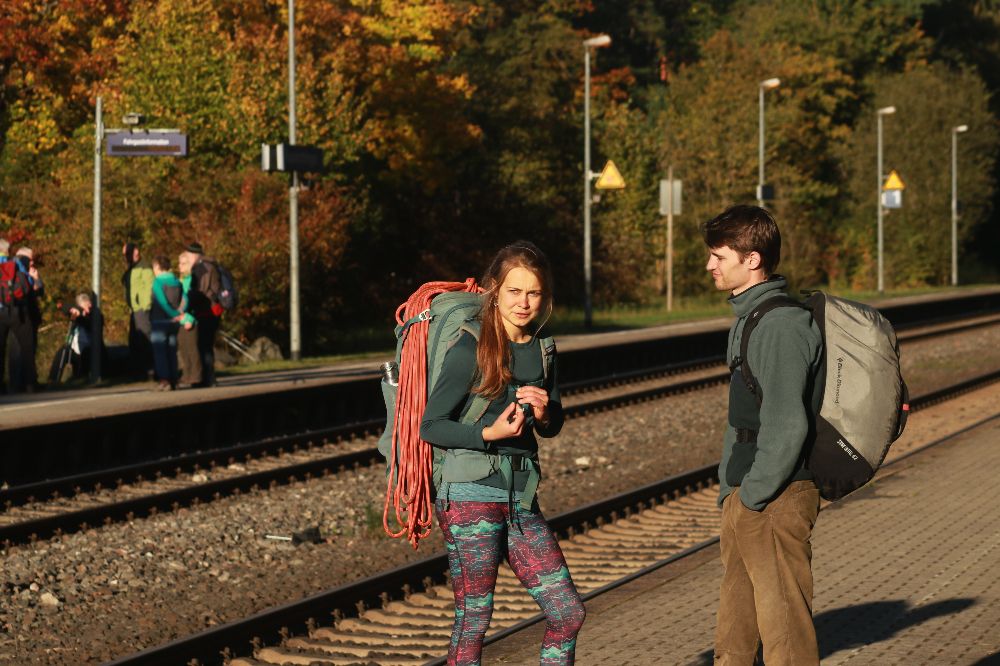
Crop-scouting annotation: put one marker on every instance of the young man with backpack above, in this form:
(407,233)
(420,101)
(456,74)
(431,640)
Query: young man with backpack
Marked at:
(768,497)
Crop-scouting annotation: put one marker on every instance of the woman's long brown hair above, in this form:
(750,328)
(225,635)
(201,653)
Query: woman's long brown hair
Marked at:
(493,352)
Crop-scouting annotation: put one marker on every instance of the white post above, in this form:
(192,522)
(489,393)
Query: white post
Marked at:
(587,307)
(670,238)
(95,279)
(769,84)
(295,343)
(954,201)
(593,42)
(878,194)
(760,149)
(884,111)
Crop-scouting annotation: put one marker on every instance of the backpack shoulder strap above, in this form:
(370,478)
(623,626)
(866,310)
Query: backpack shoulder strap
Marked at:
(753,319)
(479,405)
(548,349)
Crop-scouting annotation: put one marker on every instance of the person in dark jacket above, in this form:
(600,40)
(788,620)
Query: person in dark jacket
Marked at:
(15,322)
(203,303)
(86,314)
(137,280)
(769,500)
(20,362)
(165,316)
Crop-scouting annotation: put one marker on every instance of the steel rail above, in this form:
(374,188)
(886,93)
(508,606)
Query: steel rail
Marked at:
(271,625)
(82,519)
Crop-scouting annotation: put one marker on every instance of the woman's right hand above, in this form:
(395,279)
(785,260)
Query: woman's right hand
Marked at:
(509,424)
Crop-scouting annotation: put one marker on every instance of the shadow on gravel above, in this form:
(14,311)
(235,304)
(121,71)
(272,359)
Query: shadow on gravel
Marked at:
(864,624)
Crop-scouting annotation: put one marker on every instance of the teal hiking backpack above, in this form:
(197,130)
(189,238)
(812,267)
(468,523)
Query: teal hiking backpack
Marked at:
(429,324)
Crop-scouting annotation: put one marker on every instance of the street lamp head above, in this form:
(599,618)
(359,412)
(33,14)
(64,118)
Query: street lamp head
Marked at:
(886,110)
(597,42)
(961,128)
(770,84)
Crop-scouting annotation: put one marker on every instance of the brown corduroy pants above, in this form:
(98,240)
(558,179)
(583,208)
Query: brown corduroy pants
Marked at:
(188,356)
(767,588)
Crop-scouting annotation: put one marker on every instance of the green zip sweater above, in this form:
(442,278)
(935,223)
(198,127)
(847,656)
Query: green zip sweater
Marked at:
(785,353)
(452,396)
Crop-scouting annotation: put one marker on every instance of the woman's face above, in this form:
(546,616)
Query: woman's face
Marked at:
(519,300)
(184,263)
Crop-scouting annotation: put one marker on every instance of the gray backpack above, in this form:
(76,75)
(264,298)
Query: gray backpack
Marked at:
(864,406)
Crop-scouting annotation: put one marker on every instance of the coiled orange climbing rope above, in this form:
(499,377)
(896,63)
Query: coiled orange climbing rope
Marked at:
(410,483)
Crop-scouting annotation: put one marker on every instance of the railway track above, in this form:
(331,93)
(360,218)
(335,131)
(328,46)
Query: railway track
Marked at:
(404,616)
(126,493)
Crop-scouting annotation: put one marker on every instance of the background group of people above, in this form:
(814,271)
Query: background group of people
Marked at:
(173,320)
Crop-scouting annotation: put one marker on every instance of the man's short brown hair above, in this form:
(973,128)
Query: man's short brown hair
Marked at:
(746,229)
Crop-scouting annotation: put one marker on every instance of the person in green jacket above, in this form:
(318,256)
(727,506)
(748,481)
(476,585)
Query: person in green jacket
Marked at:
(166,314)
(769,501)
(487,519)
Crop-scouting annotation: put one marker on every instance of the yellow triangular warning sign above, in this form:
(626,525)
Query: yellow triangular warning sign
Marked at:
(894,182)
(610,178)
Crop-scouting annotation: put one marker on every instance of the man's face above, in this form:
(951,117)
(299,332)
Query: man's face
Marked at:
(729,271)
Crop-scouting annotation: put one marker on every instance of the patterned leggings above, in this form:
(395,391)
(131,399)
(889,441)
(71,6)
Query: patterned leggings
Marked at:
(477,536)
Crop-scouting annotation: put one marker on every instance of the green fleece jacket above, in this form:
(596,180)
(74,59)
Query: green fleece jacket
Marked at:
(785,353)
(451,397)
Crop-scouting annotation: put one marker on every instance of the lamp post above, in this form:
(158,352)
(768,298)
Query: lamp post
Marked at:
(295,335)
(95,278)
(768,84)
(884,111)
(955,131)
(593,42)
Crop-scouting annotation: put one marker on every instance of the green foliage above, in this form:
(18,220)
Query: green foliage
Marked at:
(930,101)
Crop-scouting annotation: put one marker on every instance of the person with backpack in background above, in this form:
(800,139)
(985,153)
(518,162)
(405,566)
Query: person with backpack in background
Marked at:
(137,280)
(165,316)
(490,399)
(21,367)
(203,303)
(188,357)
(768,497)
(16,290)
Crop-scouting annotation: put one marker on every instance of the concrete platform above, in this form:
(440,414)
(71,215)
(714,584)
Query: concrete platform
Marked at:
(907,572)
(17,411)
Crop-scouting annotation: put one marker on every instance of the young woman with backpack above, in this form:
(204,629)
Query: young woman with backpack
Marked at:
(487,518)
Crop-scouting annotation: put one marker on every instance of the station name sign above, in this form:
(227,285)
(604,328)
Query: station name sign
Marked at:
(147,144)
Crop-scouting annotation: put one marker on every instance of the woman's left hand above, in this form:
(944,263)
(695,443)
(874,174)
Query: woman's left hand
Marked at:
(538,398)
